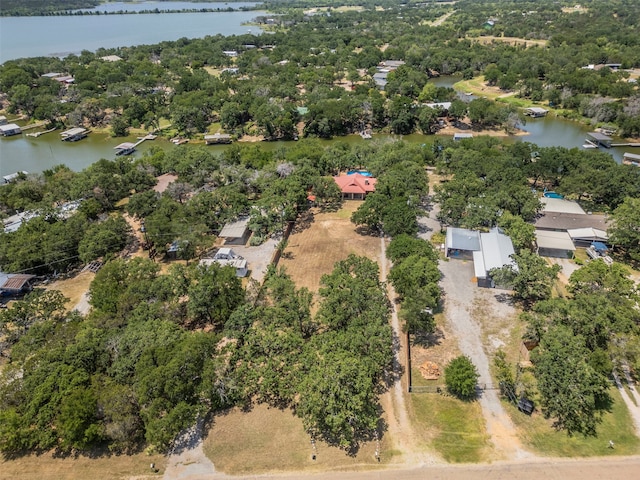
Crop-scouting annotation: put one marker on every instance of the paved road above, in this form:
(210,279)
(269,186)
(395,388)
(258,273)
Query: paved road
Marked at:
(611,468)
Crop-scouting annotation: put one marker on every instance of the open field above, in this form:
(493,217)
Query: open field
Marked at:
(453,428)
(321,240)
(512,40)
(270,440)
(107,467)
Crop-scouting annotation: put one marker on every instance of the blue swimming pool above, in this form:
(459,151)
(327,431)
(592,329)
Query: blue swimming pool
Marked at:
(553,195)
(364,173)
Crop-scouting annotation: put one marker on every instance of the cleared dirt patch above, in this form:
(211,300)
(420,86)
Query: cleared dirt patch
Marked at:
(512,40)
(268,440)
(322,239)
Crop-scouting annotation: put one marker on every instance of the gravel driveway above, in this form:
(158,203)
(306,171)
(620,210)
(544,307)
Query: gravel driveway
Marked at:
(461,297)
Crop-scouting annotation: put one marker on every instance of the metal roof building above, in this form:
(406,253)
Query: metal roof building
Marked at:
(235,233)
(554,244)
(560,205)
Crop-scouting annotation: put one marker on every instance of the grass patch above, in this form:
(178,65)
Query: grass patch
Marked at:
(455,429)
(271,440)
(538,434)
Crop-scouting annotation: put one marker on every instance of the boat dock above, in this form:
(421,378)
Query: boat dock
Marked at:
(625,144)
(37,134)
(74,134)
(127,148)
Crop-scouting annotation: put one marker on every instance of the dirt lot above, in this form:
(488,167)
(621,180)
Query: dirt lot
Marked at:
(321,240)
(73,288)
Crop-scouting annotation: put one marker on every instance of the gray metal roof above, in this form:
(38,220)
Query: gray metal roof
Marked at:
(235,229)
(554,240)
(497,249)
(463,239)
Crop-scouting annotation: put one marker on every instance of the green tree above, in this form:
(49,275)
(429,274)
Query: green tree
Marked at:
(531,278)
(214,295)
(461,377)
(573,393)
(624,231)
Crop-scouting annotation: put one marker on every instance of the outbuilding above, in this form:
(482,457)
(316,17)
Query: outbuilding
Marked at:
(10,129)
(236,233)
(15,284)
(554,244)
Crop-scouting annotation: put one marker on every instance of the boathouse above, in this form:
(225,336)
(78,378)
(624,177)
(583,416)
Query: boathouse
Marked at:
(74,134)
(126,148)
(14,176)
(599,139)
(535,112)
(631,159)
(461,136)
(217,138)
(10,129)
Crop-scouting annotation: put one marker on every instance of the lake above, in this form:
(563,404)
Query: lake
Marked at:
(63,35)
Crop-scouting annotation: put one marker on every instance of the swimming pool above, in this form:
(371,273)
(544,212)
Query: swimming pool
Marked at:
(553,195)
(364,173)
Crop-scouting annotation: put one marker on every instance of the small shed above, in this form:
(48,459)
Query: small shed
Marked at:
(15,284)
(236,233)
(3,120)
(554,244)
(10,129)
(461,136)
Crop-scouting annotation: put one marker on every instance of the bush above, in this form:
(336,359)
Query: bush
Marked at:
(461,377)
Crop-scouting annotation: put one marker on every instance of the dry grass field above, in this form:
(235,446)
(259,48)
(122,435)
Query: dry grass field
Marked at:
(323,239)
(108,467)
(73,288)
(267,440)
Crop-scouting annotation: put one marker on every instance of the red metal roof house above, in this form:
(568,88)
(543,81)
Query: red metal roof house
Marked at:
(355,186)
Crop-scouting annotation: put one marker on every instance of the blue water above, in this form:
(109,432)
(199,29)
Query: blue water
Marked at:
(553,195)
(364,173)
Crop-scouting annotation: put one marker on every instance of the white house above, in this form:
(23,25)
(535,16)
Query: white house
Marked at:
(227,258)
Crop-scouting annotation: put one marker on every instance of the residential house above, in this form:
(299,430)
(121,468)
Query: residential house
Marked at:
(226,257)
(355,186)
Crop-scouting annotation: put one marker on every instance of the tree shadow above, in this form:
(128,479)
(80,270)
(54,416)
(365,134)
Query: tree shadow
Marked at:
(428,339)
(303,222)
(506,298)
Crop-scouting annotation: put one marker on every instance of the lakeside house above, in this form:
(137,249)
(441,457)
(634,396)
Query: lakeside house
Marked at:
(550,243)
(355,186)
(560,215)
(10,129)
(74,134)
